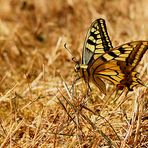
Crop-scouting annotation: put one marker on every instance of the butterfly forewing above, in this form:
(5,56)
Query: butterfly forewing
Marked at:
(139,48)
(97,42)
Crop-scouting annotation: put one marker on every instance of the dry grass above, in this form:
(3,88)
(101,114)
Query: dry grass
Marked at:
(37,108)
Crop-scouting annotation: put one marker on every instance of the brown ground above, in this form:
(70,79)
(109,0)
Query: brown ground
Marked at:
(36,107)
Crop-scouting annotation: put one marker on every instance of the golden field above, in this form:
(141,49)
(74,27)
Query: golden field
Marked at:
(37,107)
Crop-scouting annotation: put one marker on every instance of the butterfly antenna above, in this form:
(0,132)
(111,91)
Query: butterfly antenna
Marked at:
(73,58)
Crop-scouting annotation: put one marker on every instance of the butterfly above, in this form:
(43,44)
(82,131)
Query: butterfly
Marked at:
(101,61)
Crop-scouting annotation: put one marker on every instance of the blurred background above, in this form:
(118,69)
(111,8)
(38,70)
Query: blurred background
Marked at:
(33,57)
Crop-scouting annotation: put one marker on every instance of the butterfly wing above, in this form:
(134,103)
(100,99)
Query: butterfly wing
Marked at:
(139,48)
(97,41)
(128,66)
(109,71)
(118,65)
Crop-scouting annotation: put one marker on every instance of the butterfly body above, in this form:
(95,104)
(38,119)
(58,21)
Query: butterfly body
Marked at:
(101,61)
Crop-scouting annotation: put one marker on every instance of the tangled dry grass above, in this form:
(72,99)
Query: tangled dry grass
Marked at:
(37,108)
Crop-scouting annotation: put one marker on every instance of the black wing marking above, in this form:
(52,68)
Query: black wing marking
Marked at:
(97,42)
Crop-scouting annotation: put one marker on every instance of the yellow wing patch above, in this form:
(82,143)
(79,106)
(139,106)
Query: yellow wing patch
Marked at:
(101,61)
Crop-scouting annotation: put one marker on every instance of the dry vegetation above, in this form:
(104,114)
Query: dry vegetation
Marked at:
(36,73)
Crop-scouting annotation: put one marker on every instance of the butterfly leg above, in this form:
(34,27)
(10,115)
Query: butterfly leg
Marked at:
(73,85)
(117,95)
(88,89)
(123,90)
